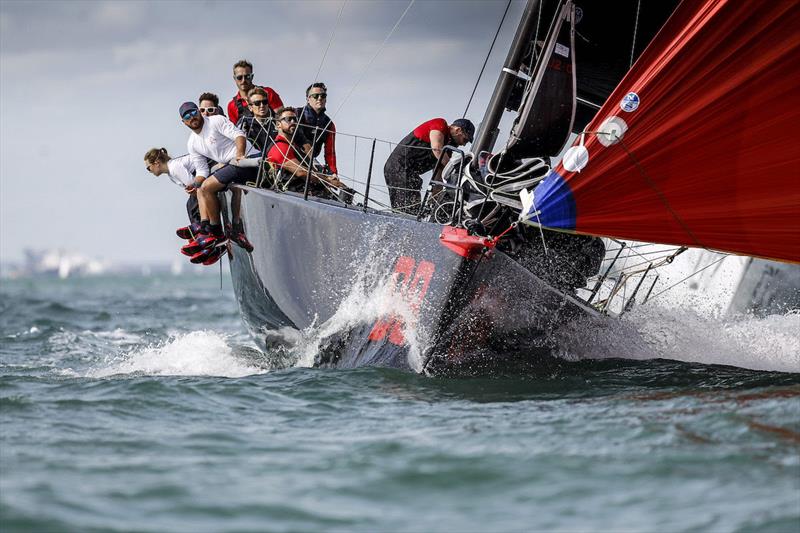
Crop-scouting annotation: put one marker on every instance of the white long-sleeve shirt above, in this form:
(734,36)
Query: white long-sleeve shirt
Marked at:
(216,141)
(182,170)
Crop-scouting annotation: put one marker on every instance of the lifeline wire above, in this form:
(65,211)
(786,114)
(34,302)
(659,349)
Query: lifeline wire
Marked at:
(485,61)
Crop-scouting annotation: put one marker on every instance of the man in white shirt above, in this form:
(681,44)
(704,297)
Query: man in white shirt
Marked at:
(217,139)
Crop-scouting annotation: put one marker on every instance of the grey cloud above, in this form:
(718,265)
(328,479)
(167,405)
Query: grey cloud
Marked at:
(43,25)
(124,71)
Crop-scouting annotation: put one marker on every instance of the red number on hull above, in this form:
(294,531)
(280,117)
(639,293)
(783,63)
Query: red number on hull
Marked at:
(412,290)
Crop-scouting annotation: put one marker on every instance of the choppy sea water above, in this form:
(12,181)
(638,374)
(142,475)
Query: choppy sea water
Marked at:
(140,404)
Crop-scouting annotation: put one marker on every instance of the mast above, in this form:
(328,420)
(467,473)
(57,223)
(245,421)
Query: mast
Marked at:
(488,130)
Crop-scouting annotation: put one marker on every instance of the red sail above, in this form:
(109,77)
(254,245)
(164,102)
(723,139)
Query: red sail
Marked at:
(711,156)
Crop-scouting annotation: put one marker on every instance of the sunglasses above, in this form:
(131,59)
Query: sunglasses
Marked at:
(208,110)
(148,167)
(242,77)
(258,103)
(289,119)
(318,96)
(189,114)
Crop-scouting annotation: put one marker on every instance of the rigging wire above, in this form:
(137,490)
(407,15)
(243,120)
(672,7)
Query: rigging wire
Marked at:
(374,56)
(659,193)
(316,79)
(535,55)
(657,262)
(330,41)
(635,28)
(528,85)
(641,254)
(534,50)
(687,277)
(485,61)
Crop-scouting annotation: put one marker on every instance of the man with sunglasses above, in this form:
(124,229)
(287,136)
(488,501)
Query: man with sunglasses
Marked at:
(418,153)
(243,76)
(259,127)
(317,127)
(215,138)
(284,155)
(209,105)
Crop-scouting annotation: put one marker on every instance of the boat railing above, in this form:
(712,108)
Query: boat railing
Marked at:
(454,188)
(366,193)
(609,293)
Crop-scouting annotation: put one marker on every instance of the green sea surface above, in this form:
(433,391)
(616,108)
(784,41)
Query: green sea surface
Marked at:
(140,404)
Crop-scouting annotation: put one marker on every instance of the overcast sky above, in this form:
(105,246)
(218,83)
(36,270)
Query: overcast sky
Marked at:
(87,87)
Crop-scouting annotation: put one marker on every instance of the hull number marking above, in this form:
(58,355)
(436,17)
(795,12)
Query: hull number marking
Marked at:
(410,283)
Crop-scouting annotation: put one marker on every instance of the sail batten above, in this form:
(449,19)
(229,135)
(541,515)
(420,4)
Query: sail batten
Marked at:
(708,156)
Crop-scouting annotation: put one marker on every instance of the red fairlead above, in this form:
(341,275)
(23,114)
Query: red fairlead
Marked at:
(464,244)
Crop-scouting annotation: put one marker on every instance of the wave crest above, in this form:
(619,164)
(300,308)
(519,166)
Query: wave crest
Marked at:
(198,353)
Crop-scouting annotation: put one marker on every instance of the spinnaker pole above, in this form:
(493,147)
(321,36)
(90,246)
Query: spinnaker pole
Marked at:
(488,129)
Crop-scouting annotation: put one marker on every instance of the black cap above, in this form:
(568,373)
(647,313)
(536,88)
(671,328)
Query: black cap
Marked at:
(467,126)
(187,106)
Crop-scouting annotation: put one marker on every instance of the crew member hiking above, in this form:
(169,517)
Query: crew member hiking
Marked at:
(181,170)
(214,138)
(416,154)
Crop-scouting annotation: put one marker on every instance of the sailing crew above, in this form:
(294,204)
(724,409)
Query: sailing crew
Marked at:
(260,127)
(317,127)
(214,138)
(284,155)
(181,170)
(209,105)
(416,154)
(243,76)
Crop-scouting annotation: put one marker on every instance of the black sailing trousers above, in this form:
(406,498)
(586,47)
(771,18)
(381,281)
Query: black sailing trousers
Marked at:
(404,187)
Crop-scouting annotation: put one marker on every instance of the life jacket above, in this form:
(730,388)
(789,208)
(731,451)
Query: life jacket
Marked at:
(313,124)
(242,109)
(259,135)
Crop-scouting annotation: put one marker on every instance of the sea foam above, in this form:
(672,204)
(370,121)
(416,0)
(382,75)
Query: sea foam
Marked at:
(199,353)
(648,332)
(371,296)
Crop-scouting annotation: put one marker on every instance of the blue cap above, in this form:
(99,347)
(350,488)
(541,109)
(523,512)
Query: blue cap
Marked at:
(467,126)
(187,106)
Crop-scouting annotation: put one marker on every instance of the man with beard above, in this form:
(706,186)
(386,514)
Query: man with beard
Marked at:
(284,155)
(243,76)
(214,138)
